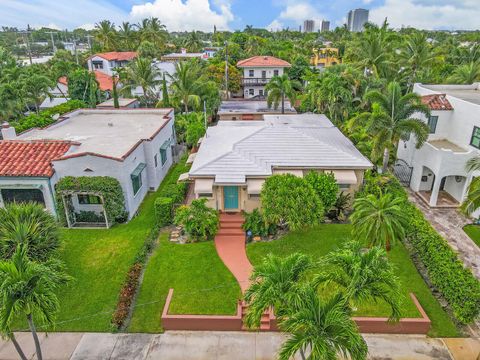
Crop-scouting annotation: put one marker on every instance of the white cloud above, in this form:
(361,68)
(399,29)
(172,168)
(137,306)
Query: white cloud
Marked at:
(275,25)
(50,26)
(188,15)
(456,14)
(294,13)
(89,26)
(367,2)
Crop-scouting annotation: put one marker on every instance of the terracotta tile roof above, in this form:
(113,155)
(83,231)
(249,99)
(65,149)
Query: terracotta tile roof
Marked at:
(63,80)
(263,61)
(437,102)
(118,55)
(30,158)
(105,82)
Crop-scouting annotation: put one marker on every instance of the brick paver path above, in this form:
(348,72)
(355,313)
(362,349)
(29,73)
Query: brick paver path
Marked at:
(449,223)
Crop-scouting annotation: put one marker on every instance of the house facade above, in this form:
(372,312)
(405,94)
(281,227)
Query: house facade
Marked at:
(108,61)
(236,157)
(133,146)
(438,173)
(257,72)
(325,57)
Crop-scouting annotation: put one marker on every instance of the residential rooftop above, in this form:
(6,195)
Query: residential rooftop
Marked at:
(252,107)
(122,102)
(117,55)
(470,93)
(112,133)
(263,61)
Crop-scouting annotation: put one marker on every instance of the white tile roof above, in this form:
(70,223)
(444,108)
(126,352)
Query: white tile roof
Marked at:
(253,148)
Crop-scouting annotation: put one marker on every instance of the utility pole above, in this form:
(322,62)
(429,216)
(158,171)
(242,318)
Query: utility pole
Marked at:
(226,70)
(89,43)
(53,42)
(75,49)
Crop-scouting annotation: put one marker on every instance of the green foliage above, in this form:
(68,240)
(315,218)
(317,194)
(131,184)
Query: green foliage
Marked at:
(325,186)
(256,224)
(195,130)
(190,128)
(290,200)
(164,211)
(174,191)
(107,187)
(340,207)
(83,86)
(28,224)
(89,216)
(199,221)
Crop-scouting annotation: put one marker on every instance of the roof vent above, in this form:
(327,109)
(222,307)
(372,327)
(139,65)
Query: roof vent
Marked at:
(88,170)
(110,124)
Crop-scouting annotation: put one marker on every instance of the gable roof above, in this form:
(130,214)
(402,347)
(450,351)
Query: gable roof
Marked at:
(117,55)
(437,102)
(105,82)
(263,61)
(30,158)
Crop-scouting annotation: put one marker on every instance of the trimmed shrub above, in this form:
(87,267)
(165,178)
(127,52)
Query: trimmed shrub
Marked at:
(325,186)
(164,211)
(199,221)
(256,224)
(176,192)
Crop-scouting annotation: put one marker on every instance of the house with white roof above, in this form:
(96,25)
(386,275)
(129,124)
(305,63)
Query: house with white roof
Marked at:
(242,109)
(235,157)
(257,72)
(133,146)
(436,171)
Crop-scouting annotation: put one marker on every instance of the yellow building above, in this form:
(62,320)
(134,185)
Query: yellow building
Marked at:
(325,57)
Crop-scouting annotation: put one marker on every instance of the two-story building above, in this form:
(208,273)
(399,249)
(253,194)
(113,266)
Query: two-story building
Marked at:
(438,173)
(325,57)
(108,61)
(257,72)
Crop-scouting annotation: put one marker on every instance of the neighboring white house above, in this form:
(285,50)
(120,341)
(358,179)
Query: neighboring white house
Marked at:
(123,103)
(438,172)
(242,109)
(207,53)
(107,62)
(235,157)
(257,72)
(133,146)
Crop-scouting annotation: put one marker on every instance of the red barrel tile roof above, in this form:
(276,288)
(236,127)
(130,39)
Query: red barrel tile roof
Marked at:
(30,158)
(437,102)
(263,61)
(117,55)
(105,82)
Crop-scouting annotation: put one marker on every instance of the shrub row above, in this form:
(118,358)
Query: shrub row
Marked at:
(164,211)
(446,272)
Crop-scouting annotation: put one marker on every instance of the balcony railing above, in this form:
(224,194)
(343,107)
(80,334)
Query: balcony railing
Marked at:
(255,81)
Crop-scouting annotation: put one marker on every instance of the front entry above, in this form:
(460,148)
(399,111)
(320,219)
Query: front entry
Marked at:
(230,197)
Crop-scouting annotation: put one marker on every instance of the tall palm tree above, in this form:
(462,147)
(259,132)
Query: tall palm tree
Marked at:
(28,289)
(36,87)
(127,35)
(472,201)
(273,282)
(279,88)
(362,275)
(192,42)
(381,219)
(106,35)
(141,72)
(151,29)
(391,120)
(321,329)
(185,85)
(466,74)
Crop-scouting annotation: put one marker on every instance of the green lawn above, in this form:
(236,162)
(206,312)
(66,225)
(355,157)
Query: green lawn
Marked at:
(201,282)
(474,232)
(325,238)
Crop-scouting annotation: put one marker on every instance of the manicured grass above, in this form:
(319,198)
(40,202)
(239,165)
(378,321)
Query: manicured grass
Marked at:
(201,282)
(474,232)
(327,237)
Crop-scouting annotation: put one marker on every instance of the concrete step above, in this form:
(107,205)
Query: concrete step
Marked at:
(231,218)
(230,225)
(223,232)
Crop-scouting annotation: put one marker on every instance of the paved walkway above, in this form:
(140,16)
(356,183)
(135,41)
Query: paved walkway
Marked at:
(449,223)
(205,345)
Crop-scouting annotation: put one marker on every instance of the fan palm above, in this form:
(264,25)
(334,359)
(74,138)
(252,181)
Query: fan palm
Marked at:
(472,201)
(380,219)
(391,120)
(466,74)
(273,282)
(279,88)
(106,35)
(185,84)
(363,275)
(321,330)
(28,288)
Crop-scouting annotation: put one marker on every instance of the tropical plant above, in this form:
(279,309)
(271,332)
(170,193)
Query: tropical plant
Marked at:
(391,120)
(466,74)
(340,207)
(28,289)
(185,85)
(195,130)
(140,72)
(279,88)
(127,35)
(198,220)
(152,30)
(256,224)
(472,201)
(106,35)
(36,87)
(325,186)
(192,42)
(379,219)
(30,225)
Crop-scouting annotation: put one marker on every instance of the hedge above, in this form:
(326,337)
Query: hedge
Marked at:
(164,211)
(446,272)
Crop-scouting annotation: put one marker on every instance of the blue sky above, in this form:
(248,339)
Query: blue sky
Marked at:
(236,14)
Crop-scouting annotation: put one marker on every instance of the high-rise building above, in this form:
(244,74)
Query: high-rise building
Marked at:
(308,26)
(325,26)
(356,19)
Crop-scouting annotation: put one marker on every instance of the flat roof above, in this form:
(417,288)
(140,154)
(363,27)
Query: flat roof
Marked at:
(251,107)
(470,93)
(110,132)
(121,102)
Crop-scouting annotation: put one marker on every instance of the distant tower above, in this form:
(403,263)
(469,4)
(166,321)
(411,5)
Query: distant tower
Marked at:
(325,26)
(357,19)
(308,26)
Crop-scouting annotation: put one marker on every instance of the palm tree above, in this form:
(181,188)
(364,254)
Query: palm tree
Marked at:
(472,201)
(141,72)
(106,35)
(36,87)
(363,274)
(127,35)
(273,282)
(185,85)
(466,74)
(28,288)
(279,88)
(380,219)
(153,30)
(321,330)
(391,120)
(192,42)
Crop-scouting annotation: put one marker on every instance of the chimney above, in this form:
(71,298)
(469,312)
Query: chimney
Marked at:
(8,132)
(184,51)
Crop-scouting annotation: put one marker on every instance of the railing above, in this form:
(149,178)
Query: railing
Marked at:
(255,81)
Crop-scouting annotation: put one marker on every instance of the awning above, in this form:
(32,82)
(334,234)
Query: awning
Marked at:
(165,145)
(345,176)
(254,186)
(297,173)
(203,186)
(191,158)
(138,170)
(183,177)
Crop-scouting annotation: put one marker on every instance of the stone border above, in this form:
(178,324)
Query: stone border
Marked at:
(374,325)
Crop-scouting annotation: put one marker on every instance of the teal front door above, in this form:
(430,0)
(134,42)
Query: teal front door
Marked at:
(230,197)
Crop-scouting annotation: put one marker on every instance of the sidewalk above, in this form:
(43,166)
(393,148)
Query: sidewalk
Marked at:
(187,345)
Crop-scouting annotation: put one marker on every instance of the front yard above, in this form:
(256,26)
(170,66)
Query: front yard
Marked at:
(473,231)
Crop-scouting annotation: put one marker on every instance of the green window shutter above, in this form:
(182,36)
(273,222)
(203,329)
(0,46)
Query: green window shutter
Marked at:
(163,151)
(136,177)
